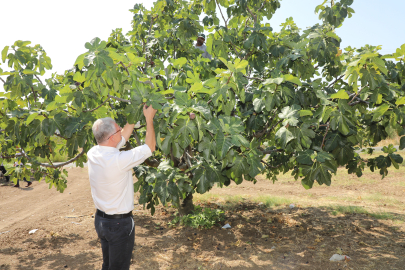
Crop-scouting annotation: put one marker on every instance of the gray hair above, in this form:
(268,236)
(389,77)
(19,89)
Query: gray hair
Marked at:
(103,128)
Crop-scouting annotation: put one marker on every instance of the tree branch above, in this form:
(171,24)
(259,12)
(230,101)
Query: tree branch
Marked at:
(273,127)
(105,101)
(138,141)
(120,62)
(251,13)
(233,46)
(264,2)
(150,31)
(58,135)
(337,79)
(38,79)
(188,160)
(229,78)
(266,152)
(358,92)
(226,25)
(119,99)
(59,165)
(271,167)
(359,101)
(2,80)
(324,137)
(33,93)
(253,78)
(263,131)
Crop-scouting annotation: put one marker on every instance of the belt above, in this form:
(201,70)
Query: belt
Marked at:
(104,215)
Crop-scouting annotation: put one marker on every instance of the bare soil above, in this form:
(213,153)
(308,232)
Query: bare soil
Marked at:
(261,237)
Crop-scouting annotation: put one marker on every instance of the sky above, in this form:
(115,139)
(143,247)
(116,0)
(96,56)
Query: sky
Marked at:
(63,29)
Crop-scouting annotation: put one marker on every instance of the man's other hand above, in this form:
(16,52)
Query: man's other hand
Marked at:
(149,112)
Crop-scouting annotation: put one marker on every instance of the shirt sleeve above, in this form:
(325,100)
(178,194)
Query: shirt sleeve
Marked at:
(134,157)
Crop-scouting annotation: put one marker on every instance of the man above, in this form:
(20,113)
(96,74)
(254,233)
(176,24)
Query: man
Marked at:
(200,45)
(110,174)
(29,183)
(20,153)
(4,171)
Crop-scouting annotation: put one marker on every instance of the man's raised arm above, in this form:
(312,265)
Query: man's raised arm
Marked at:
(127,131)
(150,138)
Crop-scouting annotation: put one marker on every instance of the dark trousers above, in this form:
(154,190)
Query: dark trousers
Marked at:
(25,179)
(4,171)
(117,238)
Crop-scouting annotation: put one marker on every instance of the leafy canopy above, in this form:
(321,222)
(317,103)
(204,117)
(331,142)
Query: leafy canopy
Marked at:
(268,103)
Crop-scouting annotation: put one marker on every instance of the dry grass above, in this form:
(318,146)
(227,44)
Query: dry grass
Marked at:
(394,140)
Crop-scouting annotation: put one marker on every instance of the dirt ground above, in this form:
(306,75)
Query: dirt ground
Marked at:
(261,237)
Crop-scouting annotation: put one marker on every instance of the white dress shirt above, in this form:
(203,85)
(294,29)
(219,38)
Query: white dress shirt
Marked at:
(203,48)
(110,174)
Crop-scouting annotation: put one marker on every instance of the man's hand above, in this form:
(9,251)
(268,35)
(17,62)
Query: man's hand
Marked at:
(149,112)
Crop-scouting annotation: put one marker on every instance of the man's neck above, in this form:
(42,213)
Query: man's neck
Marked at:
(108,144)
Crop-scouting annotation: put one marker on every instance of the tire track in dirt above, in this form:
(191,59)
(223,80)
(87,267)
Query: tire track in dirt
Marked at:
(38,202)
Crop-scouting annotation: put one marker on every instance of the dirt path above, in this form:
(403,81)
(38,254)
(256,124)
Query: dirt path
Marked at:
(261,237)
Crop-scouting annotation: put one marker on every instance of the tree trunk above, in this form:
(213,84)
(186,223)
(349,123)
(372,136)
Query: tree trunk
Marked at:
(186,205)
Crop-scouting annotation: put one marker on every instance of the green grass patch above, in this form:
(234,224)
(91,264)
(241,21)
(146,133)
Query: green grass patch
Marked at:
(230,202)
(271,201)
(338,198)
(225,201)
(378,197)
(336,210)
(340,209)
(200,218)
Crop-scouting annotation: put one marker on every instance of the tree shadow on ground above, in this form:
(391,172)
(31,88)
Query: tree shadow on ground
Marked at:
(81,261)
(263,238)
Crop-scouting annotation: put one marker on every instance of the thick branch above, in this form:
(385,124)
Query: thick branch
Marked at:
(138,141)
(59,165)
